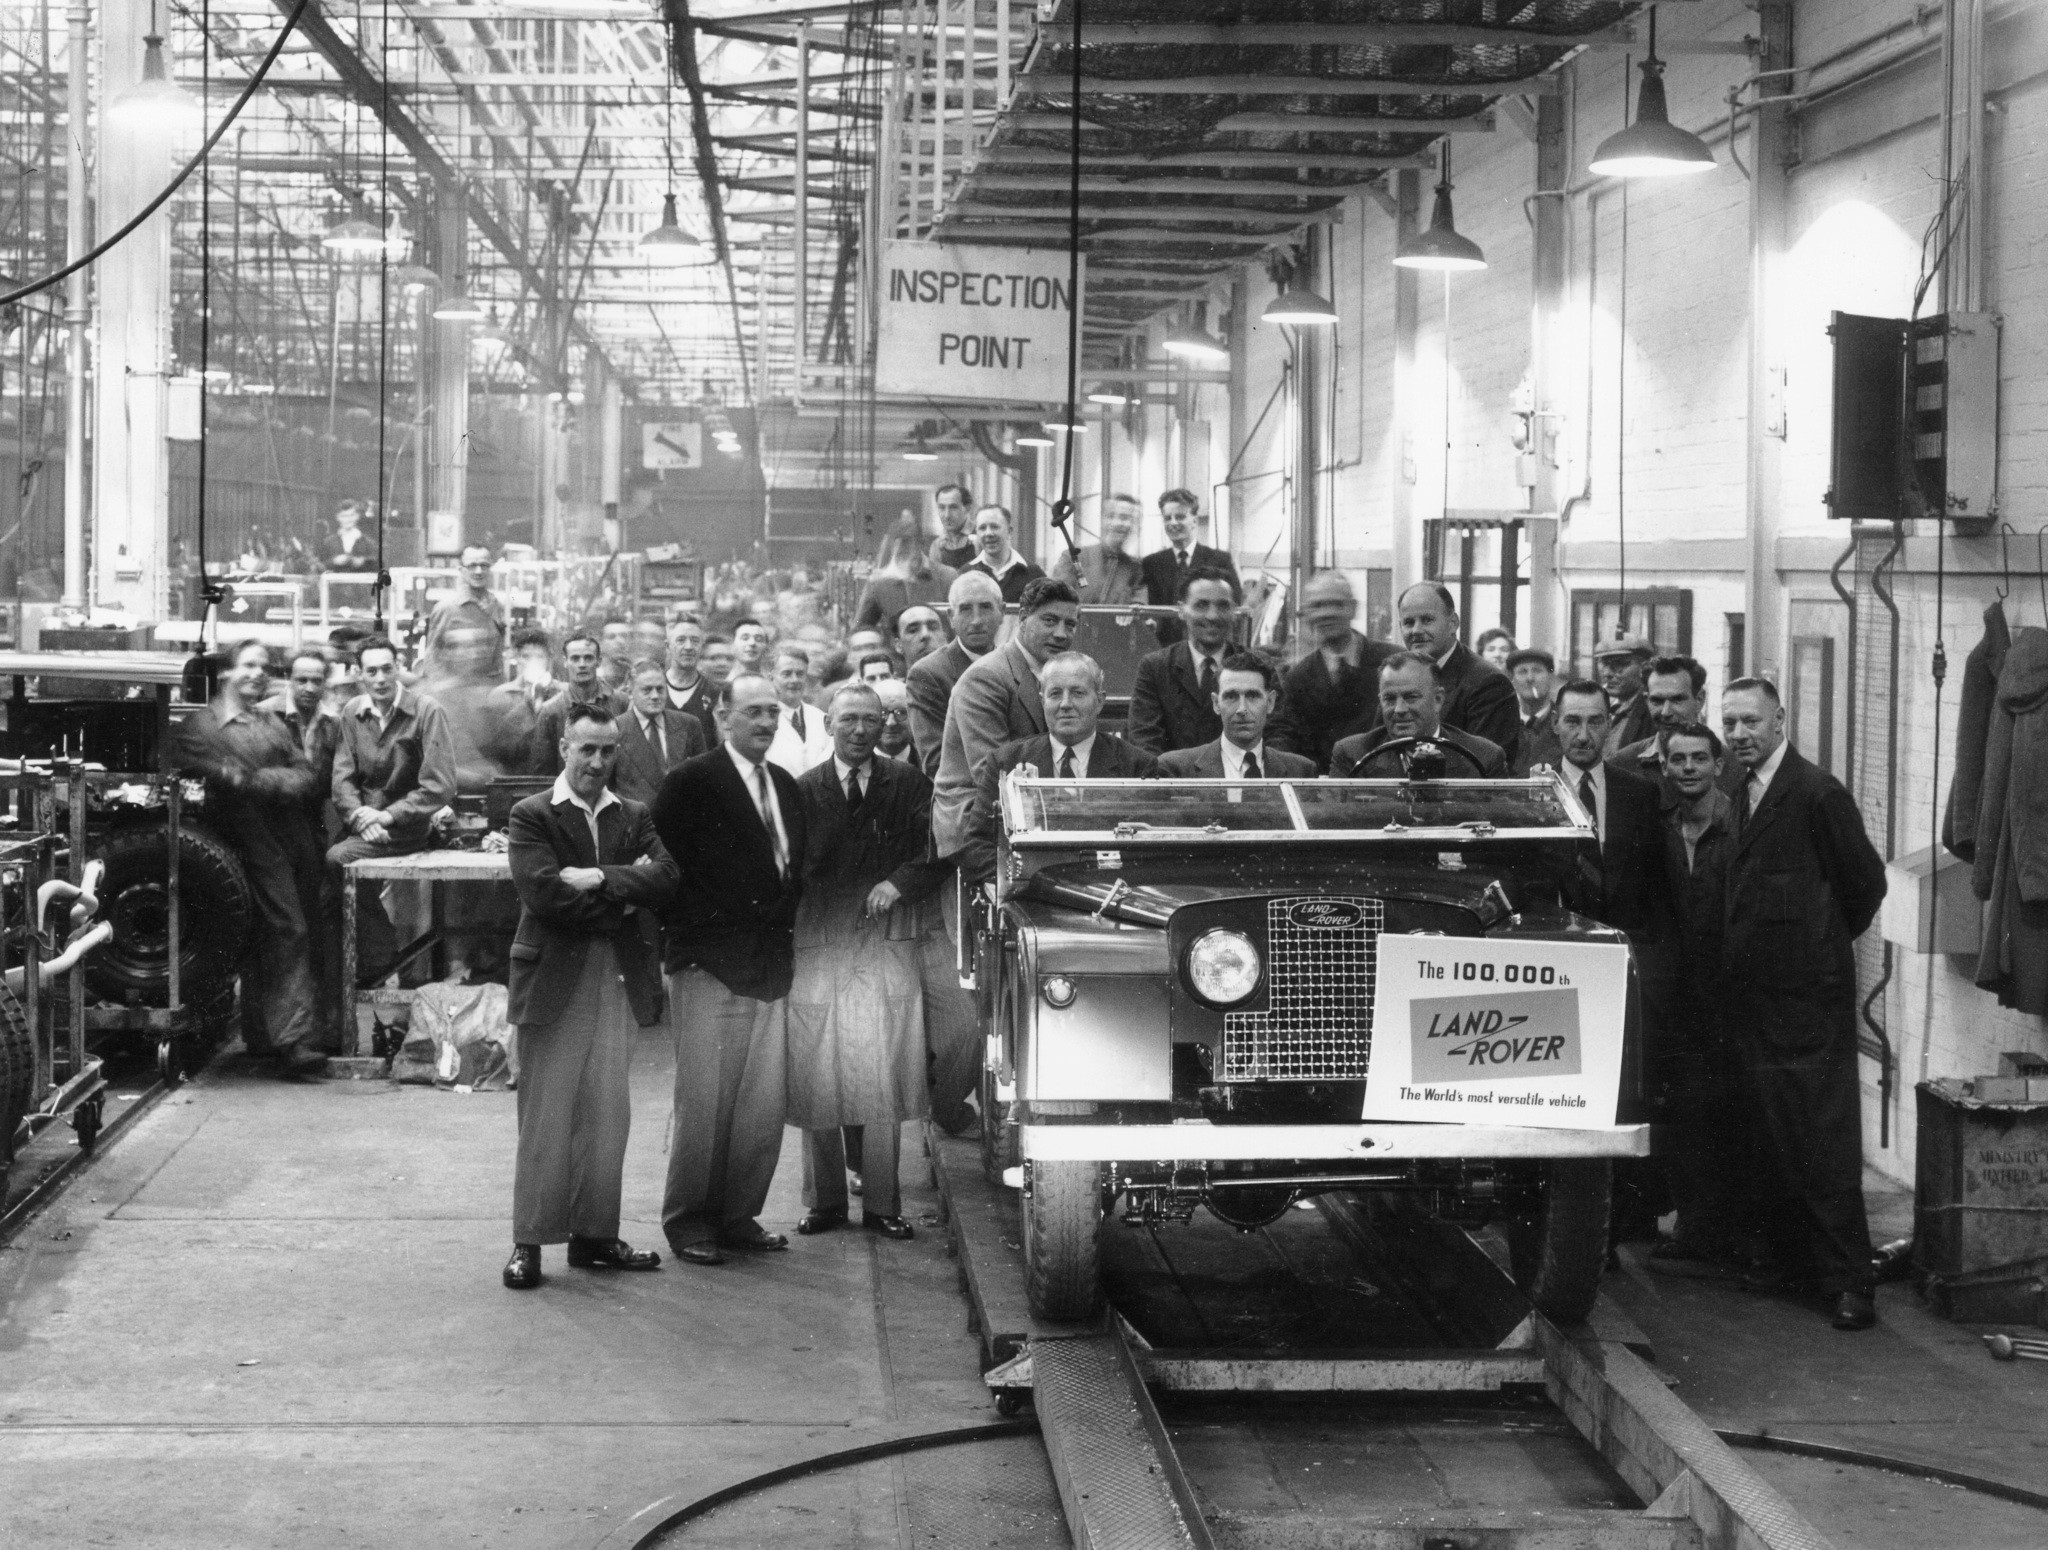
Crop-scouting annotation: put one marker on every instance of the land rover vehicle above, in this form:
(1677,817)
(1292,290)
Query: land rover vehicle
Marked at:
(1233,995)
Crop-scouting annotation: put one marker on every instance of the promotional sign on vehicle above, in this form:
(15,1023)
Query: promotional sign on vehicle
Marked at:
(1494,1031)
(973,322)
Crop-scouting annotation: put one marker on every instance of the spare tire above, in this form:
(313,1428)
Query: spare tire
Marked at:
(217,911)
(17,1069)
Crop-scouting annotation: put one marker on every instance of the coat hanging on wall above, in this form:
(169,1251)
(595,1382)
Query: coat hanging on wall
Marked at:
(2010,872)
(1973,730)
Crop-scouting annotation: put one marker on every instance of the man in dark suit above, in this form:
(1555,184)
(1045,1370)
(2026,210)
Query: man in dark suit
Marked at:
(1173,702)
(976,605)
(1477,696)
(997,699)
(1675,690)
(1803,883)
(1411,706)
(1166,570)
(1246,691)
(1070,749)
(1333,692)
(733,823)
(653,737)
(586,969)
(1632,894)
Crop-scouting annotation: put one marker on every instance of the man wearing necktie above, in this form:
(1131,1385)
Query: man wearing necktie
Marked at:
(734,825)
(856,1011)
(1173,701)
(1072,748)
(801,740)
(1247,689)
(654,737)
(1803,883)
(1166,570)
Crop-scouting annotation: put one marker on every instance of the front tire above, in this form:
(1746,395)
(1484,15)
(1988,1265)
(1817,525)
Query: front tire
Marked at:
(998,1135)
(1559,1248)
(1062,1218)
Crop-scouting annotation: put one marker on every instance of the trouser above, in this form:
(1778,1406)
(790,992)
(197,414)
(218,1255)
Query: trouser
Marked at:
(283,962)
(1703,1138)
(726,1131)
(575,1110)
(952,1035)
(376,943)
(881,1154)
(1799,1077)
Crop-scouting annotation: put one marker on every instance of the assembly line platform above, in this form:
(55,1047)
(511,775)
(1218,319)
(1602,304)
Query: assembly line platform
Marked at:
(270,1315)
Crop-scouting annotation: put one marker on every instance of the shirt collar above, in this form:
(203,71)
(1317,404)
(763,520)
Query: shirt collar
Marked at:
(563,793)
(743,764)
(1082,751)
(1763,772)
(1233,757)
(1004,569)
(366,706)
(1440,661)
(843,769)
(1598,772)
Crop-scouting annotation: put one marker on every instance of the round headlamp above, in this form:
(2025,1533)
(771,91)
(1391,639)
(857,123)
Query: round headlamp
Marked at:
(1223,967)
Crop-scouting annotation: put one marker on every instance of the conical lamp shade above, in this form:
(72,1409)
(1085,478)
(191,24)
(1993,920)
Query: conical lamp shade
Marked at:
(1194,345)
(1440,247)
(1300,306)
(413,279)
(668,243)
(156,102)
(459,308)
(353,237)
(1652,147)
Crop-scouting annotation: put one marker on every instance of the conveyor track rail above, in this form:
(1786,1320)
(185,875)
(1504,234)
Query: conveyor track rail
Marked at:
(1123,1486)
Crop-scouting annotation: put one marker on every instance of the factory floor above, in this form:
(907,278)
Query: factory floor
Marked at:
(270,1316)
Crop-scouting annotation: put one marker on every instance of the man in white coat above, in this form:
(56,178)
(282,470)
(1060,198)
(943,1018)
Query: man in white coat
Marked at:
(801,740)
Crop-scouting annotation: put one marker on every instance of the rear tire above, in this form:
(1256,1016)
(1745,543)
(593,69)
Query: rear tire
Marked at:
(134,968)
(1559,1249)
(1062,1218)
(998,1135)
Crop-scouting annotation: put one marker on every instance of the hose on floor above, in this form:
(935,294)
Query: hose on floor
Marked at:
(1022,1427)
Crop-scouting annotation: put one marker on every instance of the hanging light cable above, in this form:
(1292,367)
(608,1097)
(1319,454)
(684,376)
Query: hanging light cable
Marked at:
(1652,147)
(1441,246)
(668,244)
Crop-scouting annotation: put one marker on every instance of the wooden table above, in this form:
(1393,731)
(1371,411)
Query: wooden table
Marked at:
(428,866)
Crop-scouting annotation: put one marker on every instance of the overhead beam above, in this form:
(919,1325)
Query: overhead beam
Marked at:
(1387,34)
(1332,215)
(1482,123)
(1262,188)
(1283,85)
(1032,156)
(1056,231)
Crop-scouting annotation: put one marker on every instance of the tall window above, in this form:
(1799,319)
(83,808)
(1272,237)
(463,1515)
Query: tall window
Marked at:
(1661,615)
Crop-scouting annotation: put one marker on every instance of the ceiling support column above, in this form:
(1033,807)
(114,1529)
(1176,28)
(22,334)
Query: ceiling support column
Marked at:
(77,316)
(1407,323)
(131,461)
(1548,266)
(1769,195)
(446,369)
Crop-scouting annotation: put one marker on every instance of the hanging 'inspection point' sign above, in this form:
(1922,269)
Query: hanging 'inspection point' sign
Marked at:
(973,322)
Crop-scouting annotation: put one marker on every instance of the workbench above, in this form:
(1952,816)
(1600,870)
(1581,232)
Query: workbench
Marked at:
(425,866)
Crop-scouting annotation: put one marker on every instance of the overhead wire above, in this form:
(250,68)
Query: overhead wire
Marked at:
(1063,508)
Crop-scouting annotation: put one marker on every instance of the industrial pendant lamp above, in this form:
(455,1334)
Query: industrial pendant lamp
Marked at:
(1441,247)
(918,452)
(1032,438)
(1302,307)
(1115,394)
(1652,147)
(1193,342)
(668,244)
(413,279)
(156,103)
(459,308)
(355,235)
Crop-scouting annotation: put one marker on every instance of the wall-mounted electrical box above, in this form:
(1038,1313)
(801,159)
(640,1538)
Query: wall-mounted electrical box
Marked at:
(1914,426)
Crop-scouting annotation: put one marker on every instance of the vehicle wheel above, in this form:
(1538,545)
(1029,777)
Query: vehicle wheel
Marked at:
(1559,1249)
(134,968)
(17,1069)
(998,1135)
(1062,1216)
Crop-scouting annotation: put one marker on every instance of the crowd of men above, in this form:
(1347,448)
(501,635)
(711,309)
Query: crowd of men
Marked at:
(766,836)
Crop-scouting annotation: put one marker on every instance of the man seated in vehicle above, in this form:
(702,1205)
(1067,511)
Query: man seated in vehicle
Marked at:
(1173,703)
(1411,711)
(1070,749)
(1247,690)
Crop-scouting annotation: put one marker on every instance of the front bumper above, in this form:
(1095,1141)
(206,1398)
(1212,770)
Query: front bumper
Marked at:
(1201,1141)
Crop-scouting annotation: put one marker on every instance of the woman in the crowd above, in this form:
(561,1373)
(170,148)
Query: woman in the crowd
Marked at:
(1495,646)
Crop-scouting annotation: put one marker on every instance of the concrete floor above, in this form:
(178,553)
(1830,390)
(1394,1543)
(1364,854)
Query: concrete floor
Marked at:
(270,1316)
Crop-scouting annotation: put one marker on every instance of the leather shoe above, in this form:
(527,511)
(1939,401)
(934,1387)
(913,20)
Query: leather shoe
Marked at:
(888,1226)
(522,1270)
(1854,1310)
(821,1221)
(702,1252)
(612,1254)
(754,1239)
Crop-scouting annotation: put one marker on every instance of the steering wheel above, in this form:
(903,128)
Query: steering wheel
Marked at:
(1405,748)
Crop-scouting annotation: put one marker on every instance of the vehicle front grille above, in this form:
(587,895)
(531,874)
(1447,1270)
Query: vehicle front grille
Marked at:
(1320,958)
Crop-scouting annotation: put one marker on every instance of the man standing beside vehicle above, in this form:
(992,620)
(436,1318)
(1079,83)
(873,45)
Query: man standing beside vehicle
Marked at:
(1478,699)
(1804,882)
(586,970)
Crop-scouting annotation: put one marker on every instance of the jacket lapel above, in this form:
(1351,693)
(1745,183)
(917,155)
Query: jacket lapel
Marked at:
(1766,811)
(1027,688)
(571,825)
(1184,671)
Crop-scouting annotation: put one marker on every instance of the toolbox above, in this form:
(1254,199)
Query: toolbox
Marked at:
(1981,1202)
